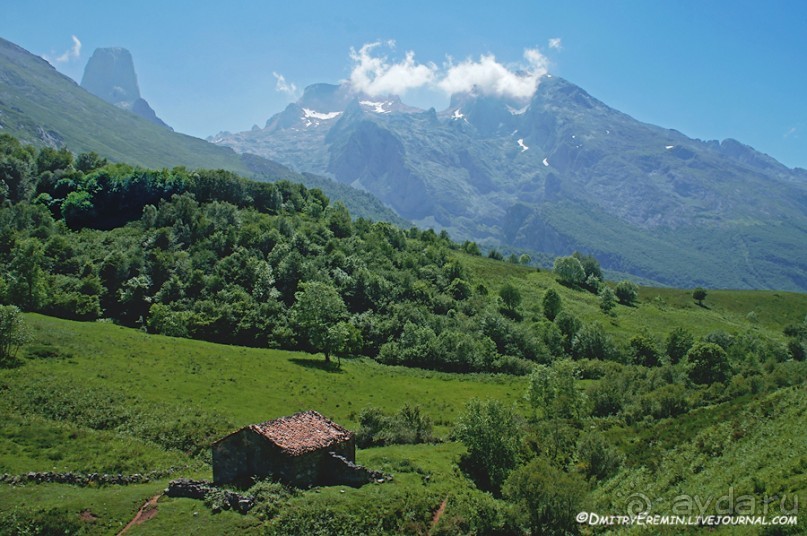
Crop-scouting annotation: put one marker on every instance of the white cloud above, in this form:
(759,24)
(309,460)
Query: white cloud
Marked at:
(556,43)
(791,132)
(72,53)
(375,75)
(489,77)
(282,86)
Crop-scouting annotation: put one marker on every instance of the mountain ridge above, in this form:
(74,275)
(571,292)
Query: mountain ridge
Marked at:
(495,170)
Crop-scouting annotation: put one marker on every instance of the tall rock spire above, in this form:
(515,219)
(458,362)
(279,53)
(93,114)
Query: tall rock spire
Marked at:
(110,75)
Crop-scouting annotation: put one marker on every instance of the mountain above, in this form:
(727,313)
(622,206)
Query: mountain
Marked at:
(39,105)
(559,172)
(110,74)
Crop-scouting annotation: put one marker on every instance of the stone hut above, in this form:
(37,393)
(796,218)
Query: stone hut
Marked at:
(304,450)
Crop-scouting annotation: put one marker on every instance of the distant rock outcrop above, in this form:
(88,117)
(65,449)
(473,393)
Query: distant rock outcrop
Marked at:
(110,75)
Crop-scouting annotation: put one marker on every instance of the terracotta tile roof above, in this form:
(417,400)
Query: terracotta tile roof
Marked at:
(302,432)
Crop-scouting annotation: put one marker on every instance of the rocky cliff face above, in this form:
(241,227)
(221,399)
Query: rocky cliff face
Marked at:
(110,75)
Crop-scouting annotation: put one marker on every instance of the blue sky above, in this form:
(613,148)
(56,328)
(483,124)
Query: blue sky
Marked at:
(711,69)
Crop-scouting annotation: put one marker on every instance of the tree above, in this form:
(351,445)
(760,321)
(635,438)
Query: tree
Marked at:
(679,341)
(13,333)
(91,161)
(547,498)
(591,342)
(699,294)
(552,304)
(708,363)
(569,271)
(591,266)
(552,390)
(317,308)
(27,281)
(627,292)
(569,325)
(344,339)
(491,433)
(607,299)
(599,458)
(644,351)
(511,297)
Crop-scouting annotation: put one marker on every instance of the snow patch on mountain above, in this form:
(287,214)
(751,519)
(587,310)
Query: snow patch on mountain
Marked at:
(319,115)
(377,107)
(521,144)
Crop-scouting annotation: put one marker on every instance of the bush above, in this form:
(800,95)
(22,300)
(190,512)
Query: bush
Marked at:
(492,434)
(708,363)
(51,522)
(679,341)
(408,426)
(546,498)
(627,292)
(600,460)
(473,512)
(13,333)
(552,304)
(569,271)
(592,342)
(270,497)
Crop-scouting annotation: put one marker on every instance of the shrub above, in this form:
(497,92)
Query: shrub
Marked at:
(569,271)
(600,460)
(492,434)
(679,341)
(410,425)
(13,333)
(547,498)
(708,363)
(627,292)
(552,304)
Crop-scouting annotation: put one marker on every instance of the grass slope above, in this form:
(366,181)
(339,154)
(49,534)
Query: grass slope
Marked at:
(125,373)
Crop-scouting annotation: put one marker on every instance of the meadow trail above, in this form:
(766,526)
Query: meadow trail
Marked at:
(146,512)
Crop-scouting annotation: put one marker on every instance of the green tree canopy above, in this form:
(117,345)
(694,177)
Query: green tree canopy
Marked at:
(708,363)
(547,498)
(13,333)
(492,434)
(569,271)
(317,309)
(627,292)
(552,304)
(511,296)
(607,299)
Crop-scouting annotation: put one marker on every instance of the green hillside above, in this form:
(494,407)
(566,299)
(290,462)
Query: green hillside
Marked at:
(40,106)
(72,372)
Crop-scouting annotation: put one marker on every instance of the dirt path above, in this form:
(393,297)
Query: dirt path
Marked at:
(146,512)
(439,512)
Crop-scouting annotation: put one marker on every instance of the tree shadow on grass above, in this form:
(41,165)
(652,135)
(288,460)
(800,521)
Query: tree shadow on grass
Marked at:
(319,364)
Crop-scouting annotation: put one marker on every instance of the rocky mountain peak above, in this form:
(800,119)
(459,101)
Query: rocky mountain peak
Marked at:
(110,75)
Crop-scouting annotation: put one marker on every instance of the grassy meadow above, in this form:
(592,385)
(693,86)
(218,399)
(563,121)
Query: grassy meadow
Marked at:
(97,397)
